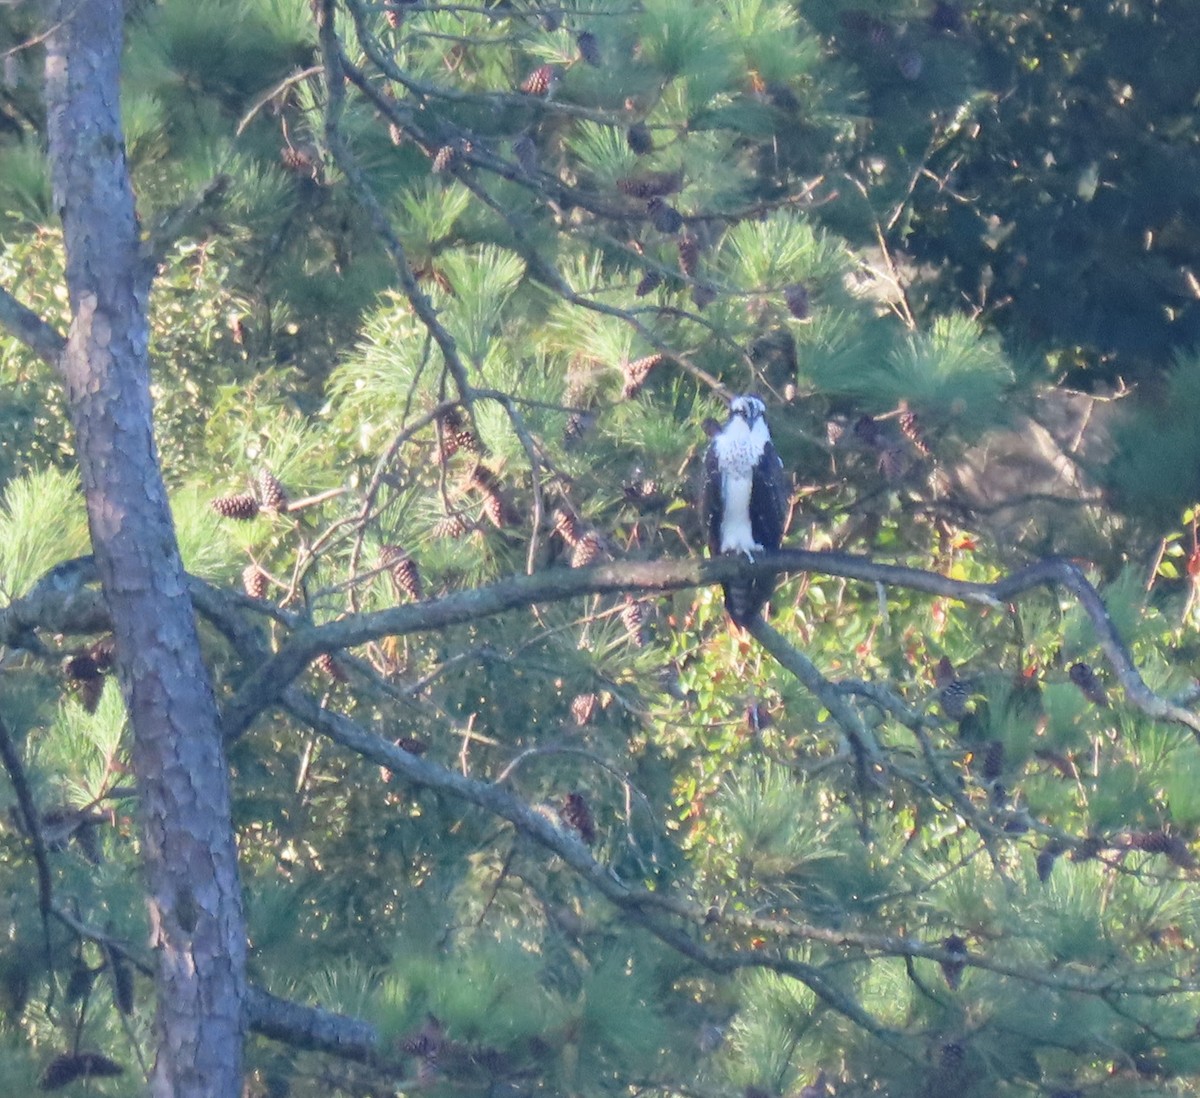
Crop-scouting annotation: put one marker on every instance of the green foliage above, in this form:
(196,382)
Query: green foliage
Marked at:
(41,523)
(1159,437)
(843,175)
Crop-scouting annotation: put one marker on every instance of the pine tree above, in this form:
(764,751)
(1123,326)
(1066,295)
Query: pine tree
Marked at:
(474,289)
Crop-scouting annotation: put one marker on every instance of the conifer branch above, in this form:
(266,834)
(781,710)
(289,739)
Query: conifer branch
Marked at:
(83,611)
(531,823)
(32,822)
(662,912)
(542,269)
(335,68)
(183,219)
(312,1028)
(43,339)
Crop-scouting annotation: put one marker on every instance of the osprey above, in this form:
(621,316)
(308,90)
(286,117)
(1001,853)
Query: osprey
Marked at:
(744,504)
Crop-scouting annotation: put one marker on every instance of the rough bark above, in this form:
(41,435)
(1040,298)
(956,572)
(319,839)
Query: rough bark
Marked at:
(189,852)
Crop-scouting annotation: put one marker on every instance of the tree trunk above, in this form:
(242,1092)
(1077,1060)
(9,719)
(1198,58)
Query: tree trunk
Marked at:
(189,851)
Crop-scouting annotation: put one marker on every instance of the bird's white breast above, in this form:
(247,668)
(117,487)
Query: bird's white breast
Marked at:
(739,448)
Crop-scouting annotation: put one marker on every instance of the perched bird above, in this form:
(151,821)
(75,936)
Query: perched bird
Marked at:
(744,504)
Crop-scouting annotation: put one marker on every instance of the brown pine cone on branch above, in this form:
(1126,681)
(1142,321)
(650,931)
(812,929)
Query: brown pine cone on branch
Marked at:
(241,507)
(271,495)
(576,813)
(406,578)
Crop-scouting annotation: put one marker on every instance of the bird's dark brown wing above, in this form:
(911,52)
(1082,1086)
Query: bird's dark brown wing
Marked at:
(712,503)
(768,500)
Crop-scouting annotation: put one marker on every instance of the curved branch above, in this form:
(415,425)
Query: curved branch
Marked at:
(84,611)
(636,903)
(264,687)
(331,52)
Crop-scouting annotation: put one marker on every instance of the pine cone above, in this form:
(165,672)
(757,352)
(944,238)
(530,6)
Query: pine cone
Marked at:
(411,745)
(651,184)
(393,16)
(104,653)
(993,760)
(650,282)
(891,463)
(483,479)
(634,616)
(395,134)
(664,217)
(636,373)
(1088,849)
(588,550)
(271,496)
(643,492)
(254,581)
(869,432)
(90,693)
(427,1069)
(450,526)
(689,254)
(299,160)
(639,139)
(242,507)
(1082,675)
(951,1056)
(541,81)
(577,815)
(953,693)
(953,970)
(329,666)
(1046,858)
(1179,852)
(406,579)
(796,299)
(63,1070)
(444,158)
(566,526)
(496,510)
(456,435)
(589,48)
(1162,842)
(910,427)
(703,295)
(427,1041)
(583,708)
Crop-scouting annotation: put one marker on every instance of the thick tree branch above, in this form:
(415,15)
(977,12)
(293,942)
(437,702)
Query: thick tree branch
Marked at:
(535,825)
(682,923)
(43,339)
(264,686)
(311,1028)
(84,612)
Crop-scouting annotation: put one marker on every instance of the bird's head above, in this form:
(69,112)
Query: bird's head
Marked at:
(750,408)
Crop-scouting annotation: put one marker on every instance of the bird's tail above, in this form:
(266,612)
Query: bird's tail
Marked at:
(745,598)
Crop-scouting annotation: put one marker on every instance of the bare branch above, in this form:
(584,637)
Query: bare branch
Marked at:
(84,612)
(43,339)
(311,1027)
